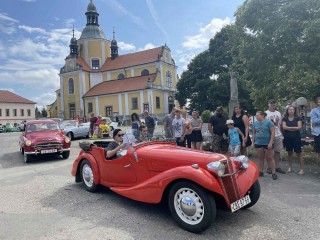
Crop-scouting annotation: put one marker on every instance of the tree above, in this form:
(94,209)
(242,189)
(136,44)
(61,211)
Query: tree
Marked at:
(44,112)
(279,50)
(37,113)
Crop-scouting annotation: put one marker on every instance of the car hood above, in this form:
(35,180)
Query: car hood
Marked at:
(45,136)
(165,156)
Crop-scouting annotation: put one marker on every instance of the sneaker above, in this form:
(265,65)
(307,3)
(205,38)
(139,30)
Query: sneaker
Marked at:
(261,174)
(269,170)
(279,170)
(289,170)
(301,172)
(274,176)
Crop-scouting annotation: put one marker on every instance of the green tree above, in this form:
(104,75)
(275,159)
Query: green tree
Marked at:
(37,113)
(44,112)
(279,50)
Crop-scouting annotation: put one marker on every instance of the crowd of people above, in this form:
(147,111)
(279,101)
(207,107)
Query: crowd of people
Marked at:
(271,133)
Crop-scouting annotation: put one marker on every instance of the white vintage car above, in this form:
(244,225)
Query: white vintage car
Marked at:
(73,129)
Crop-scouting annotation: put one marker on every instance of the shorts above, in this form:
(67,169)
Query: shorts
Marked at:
(234,150)
(261,146)
(196,136)
(317,144)
(293,144)
(278,144)
(219,144)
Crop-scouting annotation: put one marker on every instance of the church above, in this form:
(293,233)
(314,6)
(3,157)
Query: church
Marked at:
(96,79)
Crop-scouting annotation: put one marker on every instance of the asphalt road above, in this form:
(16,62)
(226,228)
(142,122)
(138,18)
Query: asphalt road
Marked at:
(40,200)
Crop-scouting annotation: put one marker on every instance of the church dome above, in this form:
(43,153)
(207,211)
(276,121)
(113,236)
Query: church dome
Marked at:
(91,7)
(92,31)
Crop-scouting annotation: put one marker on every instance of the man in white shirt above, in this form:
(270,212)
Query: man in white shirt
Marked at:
(275,116)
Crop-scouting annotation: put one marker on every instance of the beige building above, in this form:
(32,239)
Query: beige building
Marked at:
(14,108)
(96,79)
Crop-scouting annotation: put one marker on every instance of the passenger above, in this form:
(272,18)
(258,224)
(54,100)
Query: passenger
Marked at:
(262,139)
(114,147)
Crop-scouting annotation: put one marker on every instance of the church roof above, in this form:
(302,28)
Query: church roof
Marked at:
(119,86)
(132,59)
(9,97)
(84,64)
(93,31)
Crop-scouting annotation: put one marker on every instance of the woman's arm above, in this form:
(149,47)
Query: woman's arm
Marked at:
(245,120)
(111,153)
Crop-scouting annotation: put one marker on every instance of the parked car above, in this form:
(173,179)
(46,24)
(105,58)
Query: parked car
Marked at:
(113,125)
(21,125)
(1,128)
(73,129)
(193,182)
(10,128)
(43,137)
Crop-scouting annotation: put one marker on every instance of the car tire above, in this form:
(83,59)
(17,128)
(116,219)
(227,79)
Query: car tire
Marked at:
(254,194)
(27,158)
(70,135)
(87,176)
(191,206)
(66,154)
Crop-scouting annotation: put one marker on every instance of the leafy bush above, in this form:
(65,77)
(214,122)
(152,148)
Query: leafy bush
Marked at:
(205,116)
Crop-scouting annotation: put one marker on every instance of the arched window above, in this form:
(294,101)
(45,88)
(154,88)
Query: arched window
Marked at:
(71,86)
(121,76)
(168,79)
(144,72)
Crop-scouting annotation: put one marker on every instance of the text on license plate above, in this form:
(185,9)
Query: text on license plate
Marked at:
(240,203)
(49,151)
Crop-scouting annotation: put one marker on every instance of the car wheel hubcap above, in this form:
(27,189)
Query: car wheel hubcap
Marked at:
(87,175)
(189,206)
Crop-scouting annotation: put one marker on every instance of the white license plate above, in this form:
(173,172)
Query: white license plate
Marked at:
(240,203)
(48,151)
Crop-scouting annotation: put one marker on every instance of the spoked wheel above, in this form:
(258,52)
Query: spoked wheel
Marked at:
(87,176)
(254,194)
(191,206)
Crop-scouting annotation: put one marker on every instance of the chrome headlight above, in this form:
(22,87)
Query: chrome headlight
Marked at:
(28,142)
(242,162)
(67,140)
(217,168)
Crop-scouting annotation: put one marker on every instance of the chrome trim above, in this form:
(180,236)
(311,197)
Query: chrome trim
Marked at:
(196,166)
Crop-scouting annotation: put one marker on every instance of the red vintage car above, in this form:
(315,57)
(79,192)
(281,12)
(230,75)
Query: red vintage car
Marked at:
(193,182)
(43,137)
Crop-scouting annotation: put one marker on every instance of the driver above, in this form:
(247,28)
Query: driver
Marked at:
(116,145)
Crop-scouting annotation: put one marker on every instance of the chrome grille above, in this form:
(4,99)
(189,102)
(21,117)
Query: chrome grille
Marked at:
(229,182)
(49,145)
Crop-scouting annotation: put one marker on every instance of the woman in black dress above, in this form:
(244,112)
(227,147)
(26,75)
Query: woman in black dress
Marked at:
(241,121)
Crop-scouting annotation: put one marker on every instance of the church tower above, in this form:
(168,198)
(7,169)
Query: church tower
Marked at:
(114,47)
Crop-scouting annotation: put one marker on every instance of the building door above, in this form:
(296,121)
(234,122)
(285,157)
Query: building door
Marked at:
(109,111)
(170,103)
(72,110)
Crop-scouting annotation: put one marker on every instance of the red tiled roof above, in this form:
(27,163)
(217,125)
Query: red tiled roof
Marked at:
(9,97)
(118,86)
(132,59)
(83,63)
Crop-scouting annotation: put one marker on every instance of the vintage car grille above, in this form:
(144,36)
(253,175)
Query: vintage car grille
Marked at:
(49,145)
(229,182)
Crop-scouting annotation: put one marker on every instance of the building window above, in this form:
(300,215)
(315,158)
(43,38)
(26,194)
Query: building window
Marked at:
(14,112)
(158,102)
(21,112)
(144,72)
(71,86)
(168,79)
(121,76)
(29,112)
(90,107)
(72,110)
(0,112)
(109,111)
(134,103)
(95,63)
(7,113)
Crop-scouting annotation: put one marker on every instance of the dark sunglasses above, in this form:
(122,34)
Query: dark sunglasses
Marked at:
(120,135)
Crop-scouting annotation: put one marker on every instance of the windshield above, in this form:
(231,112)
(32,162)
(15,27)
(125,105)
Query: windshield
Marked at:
(37,127)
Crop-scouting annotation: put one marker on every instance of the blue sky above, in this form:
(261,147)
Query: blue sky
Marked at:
(35,35)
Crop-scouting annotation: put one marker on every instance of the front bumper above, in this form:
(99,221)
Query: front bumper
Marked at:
(36,152)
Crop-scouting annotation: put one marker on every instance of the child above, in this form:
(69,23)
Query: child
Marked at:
(95,131)
(234,140)
(104,129)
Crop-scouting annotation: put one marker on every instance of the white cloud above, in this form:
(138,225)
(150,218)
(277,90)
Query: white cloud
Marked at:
(4,17)
(201,40)
(31,29)
(7,24)
(126,46)
(155,17)
(69,23)
(29,0)
(8,89)
(44,99)
(147,46)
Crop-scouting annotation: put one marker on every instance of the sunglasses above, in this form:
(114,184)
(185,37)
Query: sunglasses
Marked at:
(120,135)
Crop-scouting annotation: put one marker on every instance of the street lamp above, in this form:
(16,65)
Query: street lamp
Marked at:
(302,102)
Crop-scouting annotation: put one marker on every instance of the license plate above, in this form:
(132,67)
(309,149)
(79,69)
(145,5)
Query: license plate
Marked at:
(48,151)
(240,203)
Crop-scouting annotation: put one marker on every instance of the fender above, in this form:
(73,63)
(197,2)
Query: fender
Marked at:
(151,190)
(247,178)
(93,162)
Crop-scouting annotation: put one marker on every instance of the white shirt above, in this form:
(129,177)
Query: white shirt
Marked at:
(276,118)
(178,126)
